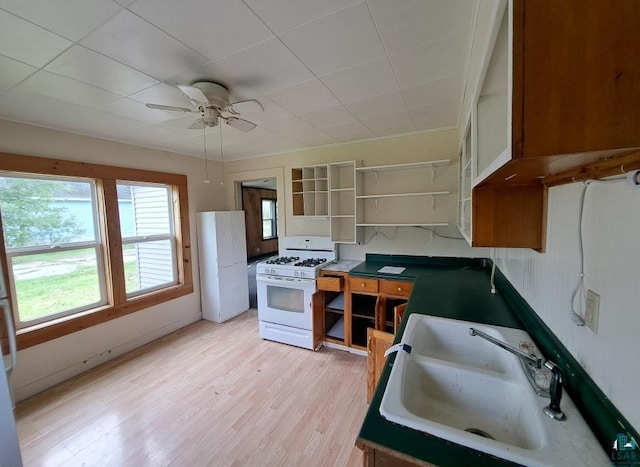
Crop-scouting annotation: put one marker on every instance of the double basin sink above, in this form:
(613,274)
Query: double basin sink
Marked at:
(469,391)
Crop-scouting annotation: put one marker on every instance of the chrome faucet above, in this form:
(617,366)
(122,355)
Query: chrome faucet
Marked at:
(534,359)
(533,366)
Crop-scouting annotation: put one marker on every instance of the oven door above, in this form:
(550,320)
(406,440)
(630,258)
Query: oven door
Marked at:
(286,300)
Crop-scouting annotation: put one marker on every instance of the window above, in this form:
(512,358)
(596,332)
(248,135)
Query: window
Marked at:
(90,243)
(269,219)
(148,250)
(53,246)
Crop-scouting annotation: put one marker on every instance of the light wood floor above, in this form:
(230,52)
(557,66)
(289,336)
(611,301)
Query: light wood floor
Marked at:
(208,394)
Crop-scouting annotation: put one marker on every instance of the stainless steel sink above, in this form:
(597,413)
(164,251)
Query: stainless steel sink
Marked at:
(468,391)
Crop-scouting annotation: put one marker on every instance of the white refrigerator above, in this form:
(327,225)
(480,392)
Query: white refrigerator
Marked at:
(9,447)
(222,253)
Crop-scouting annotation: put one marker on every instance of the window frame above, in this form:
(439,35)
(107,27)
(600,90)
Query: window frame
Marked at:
(274,219)
(118,303)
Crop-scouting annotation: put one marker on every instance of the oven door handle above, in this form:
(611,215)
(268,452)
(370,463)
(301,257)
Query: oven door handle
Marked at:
(279,280)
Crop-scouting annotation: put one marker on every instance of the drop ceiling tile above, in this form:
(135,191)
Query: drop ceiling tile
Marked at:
(391,124)
(163,94)
(147,135)
(67,89)
(92,68)
(12,72)
(72,19)
(430,62)
(362,81)
(42,110)
(377,106)
(328,117)
(437,116)
(349,131)
(340,40)
(214,28)
(142,46)
(434,93)
(192,145)
(298,130)
(27,42)
(304,97)
(282,15)
(132,109)
(268,66)
(411,23)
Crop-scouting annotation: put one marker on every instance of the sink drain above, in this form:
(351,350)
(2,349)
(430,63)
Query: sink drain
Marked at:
(479,432)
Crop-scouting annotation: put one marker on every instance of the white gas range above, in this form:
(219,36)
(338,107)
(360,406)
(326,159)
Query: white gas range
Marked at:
(286,286)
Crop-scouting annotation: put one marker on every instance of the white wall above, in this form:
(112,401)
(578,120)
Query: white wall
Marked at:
(612,259)
(47,364)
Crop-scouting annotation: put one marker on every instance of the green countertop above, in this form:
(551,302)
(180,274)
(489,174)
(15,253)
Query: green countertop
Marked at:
(459,288)
(456,288)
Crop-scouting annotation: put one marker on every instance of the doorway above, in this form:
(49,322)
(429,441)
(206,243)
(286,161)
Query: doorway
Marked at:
(260,204)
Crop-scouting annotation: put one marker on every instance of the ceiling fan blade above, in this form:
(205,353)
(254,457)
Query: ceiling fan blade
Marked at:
(197,125)
(169,108)
(194,94)
(247,107)
(240,124)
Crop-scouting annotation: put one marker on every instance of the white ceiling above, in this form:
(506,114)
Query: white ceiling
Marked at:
(326,71)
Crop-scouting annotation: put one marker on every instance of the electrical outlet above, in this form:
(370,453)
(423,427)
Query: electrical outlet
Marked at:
(592,312)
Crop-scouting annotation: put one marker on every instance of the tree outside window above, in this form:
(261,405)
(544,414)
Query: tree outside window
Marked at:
(269,219)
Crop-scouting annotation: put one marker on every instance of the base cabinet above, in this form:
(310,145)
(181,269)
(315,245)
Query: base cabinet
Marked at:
(373,457)
(348,306)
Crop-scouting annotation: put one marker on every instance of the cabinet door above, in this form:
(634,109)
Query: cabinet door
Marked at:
(580,74)
(398,313)
(377,343)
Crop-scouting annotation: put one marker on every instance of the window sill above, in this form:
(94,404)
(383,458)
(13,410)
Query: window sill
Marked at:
(43,332)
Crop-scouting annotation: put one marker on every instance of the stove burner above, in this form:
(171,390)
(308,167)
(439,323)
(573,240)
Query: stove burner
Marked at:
(282,260)
(311,262)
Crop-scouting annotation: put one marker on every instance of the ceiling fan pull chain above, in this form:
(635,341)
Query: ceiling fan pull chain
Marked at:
(204,139)
(221,153)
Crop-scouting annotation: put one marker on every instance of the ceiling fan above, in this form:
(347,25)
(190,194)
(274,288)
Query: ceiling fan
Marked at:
(211,101)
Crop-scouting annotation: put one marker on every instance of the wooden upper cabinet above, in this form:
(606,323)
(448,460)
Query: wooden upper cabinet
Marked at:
(558,100)
(560,89)
(577,64)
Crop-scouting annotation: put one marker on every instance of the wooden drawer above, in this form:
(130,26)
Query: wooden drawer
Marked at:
(333,284)
(396,288)
(361,284)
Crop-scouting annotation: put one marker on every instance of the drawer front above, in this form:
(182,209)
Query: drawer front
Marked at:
(333,284)
(396,288)
(360,284)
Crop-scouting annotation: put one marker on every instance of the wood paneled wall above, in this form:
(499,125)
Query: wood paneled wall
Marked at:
(251,203)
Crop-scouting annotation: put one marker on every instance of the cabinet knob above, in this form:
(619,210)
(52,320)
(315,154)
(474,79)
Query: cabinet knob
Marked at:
(399,289)
(361,285)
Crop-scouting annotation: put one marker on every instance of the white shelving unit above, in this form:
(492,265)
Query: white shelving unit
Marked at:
(401,195)
(342,202)
(310,191)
